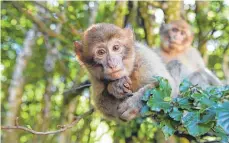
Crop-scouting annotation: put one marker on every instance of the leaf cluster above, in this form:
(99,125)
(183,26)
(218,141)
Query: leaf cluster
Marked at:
(194,112)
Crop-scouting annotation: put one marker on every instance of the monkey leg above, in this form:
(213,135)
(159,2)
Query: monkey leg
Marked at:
(120,88)
(130,108)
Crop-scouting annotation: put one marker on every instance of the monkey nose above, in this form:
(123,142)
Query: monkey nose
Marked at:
(112,66)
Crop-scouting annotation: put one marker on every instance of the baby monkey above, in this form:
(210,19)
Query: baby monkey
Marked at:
(119,67)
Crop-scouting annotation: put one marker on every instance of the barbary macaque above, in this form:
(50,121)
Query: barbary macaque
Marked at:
(176,40)
(120,69)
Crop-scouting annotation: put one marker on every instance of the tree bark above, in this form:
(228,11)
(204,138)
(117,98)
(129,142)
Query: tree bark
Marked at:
(49,65)
(201,8)
(226,65)
(119,15)
(93,13)
(17,85)
(172,10)
(149,19)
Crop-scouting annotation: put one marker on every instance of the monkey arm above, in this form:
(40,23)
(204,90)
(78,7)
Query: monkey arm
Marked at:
(130,108)
(211,78)
(196,57)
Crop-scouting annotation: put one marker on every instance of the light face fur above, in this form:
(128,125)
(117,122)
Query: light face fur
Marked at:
(135,64)
(177,46)
(105,50)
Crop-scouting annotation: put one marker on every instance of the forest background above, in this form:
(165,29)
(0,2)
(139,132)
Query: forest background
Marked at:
(38,65)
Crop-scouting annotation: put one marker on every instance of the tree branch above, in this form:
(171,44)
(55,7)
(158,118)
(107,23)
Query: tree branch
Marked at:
(42,27)
(74,90)
(63,127)
(71,93)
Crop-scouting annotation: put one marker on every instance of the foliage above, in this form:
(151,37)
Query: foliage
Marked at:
(195,111)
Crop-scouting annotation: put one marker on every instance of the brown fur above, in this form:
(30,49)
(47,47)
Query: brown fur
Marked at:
(139,62)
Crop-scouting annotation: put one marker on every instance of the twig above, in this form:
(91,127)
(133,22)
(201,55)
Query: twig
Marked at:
(63,127)
(74,90)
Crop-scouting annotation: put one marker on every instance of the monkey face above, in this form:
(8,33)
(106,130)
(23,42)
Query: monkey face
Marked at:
(109,57)
(107,51)
(176,36)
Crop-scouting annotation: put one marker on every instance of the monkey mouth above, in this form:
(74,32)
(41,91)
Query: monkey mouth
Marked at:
(175,43)
(116,71)
(115,74)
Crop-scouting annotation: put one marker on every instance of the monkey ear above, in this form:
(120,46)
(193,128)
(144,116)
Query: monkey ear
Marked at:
(78,48)
(129,32)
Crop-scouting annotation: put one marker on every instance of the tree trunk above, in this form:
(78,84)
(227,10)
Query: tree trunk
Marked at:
(131,17)
(93,13)
(17,85)
(201,8)
(172,10)
(120,12)
(149,19)
(49,65)
(226,65)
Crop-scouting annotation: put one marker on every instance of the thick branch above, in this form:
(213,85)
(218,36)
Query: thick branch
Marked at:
(63,127)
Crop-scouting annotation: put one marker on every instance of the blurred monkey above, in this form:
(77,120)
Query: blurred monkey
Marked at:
(176,40)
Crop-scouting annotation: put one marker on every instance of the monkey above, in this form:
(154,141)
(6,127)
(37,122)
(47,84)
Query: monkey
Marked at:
(117,64)
(176,40)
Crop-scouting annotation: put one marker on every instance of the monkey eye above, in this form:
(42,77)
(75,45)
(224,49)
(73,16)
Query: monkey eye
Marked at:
(116,47)
(182,33)
(101,52)
(175,30)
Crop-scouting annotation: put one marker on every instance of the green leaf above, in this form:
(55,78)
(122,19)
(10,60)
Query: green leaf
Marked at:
(184,103)
(203,99)
(164,85)
(192,123)
(185,86)
(221,133)
(176,114)
(145,110)
(167,128)
(208,116)
(146,95)
(157,103)
(223,116)
(218,92)
(167,99)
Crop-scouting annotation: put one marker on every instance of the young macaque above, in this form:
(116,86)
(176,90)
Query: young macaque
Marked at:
(176,40)
(119,67)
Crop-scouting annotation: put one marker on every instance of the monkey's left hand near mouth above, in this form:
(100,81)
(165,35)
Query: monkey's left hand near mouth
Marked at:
(130,108)
(120,88)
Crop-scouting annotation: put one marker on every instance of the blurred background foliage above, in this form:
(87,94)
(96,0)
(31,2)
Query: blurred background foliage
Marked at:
(38,62)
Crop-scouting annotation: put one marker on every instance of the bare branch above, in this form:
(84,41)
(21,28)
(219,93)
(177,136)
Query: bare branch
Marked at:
(71,93)
(63,127)
(74,90)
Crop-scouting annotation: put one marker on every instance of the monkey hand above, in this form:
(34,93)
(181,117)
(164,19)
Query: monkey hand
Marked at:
(130,108)
(120,88)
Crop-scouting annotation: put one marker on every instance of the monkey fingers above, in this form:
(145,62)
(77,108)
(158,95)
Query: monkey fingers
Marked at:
(120,88)
(129,108)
